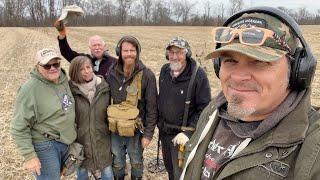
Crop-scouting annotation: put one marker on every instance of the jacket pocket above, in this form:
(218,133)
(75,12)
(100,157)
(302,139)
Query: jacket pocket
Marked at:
(276,169)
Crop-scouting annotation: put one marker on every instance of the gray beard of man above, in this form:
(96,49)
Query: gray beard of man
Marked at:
(235,110)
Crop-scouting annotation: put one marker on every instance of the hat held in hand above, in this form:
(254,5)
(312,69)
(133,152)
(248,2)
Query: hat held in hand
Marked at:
(70,12)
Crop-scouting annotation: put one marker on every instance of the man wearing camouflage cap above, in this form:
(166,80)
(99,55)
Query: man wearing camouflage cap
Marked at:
(173,87)
(261,125)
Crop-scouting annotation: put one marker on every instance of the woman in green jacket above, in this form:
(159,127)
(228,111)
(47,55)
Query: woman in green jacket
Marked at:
(92,97)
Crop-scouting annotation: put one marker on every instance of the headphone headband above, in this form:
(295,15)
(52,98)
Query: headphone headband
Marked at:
(285,18)
(123,39)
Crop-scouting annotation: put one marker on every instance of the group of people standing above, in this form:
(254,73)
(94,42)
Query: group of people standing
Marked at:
(260,126)
(53,112)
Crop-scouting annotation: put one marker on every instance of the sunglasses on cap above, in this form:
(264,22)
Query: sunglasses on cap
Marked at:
(48,66)
(249,36)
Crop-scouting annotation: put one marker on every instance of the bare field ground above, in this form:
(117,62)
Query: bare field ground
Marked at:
(19,45)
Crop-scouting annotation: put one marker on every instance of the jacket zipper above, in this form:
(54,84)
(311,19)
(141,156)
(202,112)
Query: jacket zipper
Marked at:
(123,81)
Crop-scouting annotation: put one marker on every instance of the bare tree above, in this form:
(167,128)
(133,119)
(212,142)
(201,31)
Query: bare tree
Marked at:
(14,12)
(177,10)
(207,12)
(221,13)
(52,9)
(146,6)
(36,10)
(317,17)
(182,9)
(303,16)
(235,6)
(1,13)
(186,9)
(130,12)
(123,8)
(162,12)
(109,15)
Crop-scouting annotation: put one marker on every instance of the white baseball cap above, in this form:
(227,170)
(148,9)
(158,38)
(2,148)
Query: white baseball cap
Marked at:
(69,12)
(43,56)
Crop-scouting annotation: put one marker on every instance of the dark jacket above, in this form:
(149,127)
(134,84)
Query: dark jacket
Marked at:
(69,54)
(291,150)
(173,92)
(92,129)
(148,103)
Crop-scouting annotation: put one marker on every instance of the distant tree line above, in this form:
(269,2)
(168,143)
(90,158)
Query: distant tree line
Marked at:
(131,12)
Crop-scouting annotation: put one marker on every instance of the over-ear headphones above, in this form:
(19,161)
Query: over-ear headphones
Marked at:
(179,42)
(303,65)
(129,39)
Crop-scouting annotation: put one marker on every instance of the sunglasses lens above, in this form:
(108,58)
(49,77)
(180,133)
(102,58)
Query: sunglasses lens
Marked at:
(48,66)
(56,65)
(223,35)
(253,36)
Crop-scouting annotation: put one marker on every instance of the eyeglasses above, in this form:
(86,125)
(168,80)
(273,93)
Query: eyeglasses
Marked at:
(48,66)
(249,36)
(178,53)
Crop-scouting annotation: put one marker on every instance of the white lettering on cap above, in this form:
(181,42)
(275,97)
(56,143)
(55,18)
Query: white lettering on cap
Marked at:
(249,22)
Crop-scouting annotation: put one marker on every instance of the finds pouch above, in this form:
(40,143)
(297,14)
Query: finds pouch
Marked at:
(122,117)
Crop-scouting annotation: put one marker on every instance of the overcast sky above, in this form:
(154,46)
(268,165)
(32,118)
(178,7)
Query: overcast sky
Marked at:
(311,5)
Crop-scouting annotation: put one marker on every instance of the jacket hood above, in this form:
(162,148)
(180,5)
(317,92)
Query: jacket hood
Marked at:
(36,74)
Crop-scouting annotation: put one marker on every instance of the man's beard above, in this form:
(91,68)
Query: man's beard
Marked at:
(235,110)
(175,66)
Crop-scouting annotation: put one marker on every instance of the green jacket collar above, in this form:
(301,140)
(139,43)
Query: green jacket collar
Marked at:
(36,74)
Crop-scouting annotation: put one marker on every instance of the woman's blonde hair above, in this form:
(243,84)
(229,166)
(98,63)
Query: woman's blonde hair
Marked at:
(75,68)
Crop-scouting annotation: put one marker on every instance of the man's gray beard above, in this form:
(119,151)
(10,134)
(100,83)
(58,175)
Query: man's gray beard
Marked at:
(235,110)
(175,66)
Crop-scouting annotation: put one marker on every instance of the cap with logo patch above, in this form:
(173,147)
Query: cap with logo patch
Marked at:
(43,56)
(270,50)
(178,42)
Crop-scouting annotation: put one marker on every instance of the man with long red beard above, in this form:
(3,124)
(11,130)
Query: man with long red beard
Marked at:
(134,84)
(262,124)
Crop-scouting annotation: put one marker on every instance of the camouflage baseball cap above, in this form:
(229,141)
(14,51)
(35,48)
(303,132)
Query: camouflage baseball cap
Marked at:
(271,50)
(178,42)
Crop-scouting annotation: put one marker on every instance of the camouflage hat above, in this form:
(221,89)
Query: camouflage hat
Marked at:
(271,50)
(178,42)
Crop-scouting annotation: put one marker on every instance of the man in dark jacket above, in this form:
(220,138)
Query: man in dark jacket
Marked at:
(173,87)
(262,124)
(99,56)
(120,78)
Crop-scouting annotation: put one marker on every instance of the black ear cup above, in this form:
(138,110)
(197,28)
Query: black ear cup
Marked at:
(216,65)
(303,65)
(189,54)
(118,47)
(302,70)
